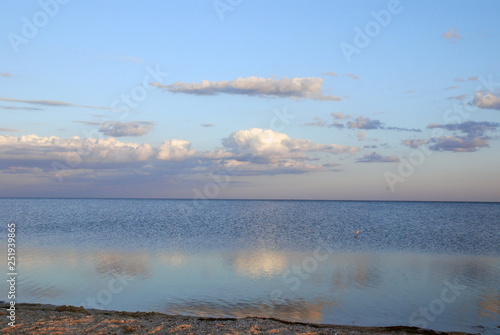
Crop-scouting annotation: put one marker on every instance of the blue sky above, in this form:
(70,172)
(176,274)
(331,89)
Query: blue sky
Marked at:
(396,100)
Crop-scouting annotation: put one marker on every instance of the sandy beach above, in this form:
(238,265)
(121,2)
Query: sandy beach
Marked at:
(50,319)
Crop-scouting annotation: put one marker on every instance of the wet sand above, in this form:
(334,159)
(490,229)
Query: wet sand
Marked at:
(50,319)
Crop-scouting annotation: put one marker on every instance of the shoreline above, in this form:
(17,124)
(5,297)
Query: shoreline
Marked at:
(52,319)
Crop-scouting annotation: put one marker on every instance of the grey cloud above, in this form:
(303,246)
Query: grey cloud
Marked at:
(470,127)
(297,88)
(375,157)
(458,143)
(14,108)
(473,140)
(119,129)
(364,123)
(53,103)
(10,130)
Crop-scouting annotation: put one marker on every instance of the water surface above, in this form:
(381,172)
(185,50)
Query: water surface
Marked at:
(433,265)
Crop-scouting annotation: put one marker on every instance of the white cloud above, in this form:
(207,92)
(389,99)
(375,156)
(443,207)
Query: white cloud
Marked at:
(264,146)
(252,151)
(486,101)
(297,88)
(175,150)
(361,135)
(74,149)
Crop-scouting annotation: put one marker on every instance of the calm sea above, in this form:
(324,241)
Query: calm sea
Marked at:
(424,264)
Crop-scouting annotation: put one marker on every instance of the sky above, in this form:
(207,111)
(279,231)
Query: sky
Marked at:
(238,99)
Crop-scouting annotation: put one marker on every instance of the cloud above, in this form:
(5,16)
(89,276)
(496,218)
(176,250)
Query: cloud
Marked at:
(316,123)
(340,116)
(351,75)
(360,123)
(267,146)
(375,157)
(414,143)
(119,129)
(175,150)
(336,124)
(452,34)
(13,108)
(458,79)
(473,140)
(5,74)
(486,101)
(459,97)
(252,151)
(331,73)
(10,130)
(53,103)
(89,123)
(403,129)
(458,143)
(296,88)
(364,123)
(361,135)
(207,125)
(452,87)
(470,127)
(74,149)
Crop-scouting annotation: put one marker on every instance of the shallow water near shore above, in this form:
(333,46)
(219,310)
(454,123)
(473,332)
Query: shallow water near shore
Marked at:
(431,265)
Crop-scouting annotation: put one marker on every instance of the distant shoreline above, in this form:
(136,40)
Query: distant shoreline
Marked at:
(253,199)
(47,319)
